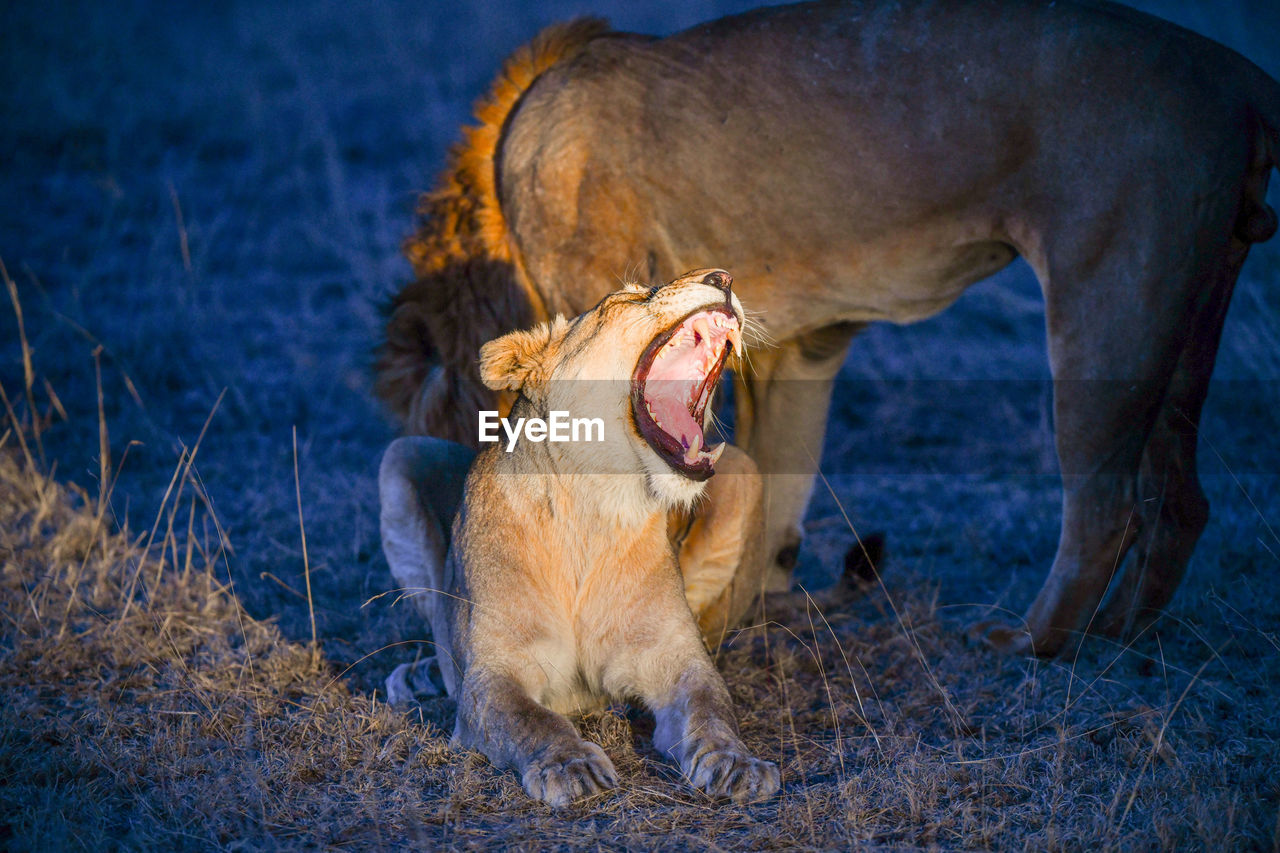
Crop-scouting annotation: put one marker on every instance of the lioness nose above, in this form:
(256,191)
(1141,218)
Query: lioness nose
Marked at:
(719,279)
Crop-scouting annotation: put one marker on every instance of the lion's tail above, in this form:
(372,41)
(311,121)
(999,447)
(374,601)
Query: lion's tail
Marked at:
(469,286)
(1268,105)
(1257,222)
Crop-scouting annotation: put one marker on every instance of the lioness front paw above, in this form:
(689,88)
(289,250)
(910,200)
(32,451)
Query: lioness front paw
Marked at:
(567,774)
(736,775)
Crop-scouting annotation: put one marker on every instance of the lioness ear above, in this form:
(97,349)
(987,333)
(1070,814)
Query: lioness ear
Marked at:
(510,362)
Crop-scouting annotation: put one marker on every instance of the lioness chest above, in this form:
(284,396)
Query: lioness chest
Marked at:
(577,618)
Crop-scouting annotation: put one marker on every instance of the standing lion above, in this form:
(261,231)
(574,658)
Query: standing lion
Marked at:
(864,161)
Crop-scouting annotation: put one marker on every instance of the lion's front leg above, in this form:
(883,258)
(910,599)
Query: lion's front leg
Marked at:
(783,396)
(498,717)
(696,727)
(670,671)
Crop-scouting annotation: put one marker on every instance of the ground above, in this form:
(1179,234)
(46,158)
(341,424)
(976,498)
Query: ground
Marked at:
(200,214)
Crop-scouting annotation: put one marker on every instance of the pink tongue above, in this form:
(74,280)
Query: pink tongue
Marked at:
(672,382)
(674,419)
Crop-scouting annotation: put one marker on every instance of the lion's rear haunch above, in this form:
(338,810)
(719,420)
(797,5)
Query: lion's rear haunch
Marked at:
(468,286)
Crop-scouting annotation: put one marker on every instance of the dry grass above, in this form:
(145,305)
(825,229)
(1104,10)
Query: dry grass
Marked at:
(144,707)
(200,212)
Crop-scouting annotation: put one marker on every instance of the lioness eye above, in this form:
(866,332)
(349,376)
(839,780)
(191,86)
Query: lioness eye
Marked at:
(653,290)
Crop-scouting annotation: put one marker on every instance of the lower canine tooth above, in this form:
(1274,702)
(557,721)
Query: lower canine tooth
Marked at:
(713,455)
(691,453)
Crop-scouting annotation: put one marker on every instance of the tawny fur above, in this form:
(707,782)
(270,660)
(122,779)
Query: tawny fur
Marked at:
(562,588)
(1125,159)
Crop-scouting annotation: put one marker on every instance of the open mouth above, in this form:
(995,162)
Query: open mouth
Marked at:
(674,380)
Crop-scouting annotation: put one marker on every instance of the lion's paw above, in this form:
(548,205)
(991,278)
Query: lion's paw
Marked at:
(1002,638)
(735,775)
(567,774)
(410,680)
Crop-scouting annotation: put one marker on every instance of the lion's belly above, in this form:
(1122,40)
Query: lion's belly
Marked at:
(862,284)
(793,287)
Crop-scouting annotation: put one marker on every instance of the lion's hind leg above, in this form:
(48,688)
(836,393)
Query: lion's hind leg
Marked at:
(721,555)
(1174,509)
(782,399)
(1131,346)
(420,483)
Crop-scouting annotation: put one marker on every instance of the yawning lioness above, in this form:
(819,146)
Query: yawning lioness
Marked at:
(562,588)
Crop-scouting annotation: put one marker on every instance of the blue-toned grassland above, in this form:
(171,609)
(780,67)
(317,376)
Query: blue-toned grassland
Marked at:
(201,207)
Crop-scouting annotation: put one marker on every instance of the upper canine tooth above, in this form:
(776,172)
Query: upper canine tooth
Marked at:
(735,338)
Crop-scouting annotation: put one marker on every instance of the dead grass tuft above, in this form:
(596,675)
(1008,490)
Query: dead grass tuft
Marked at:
(167,716)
